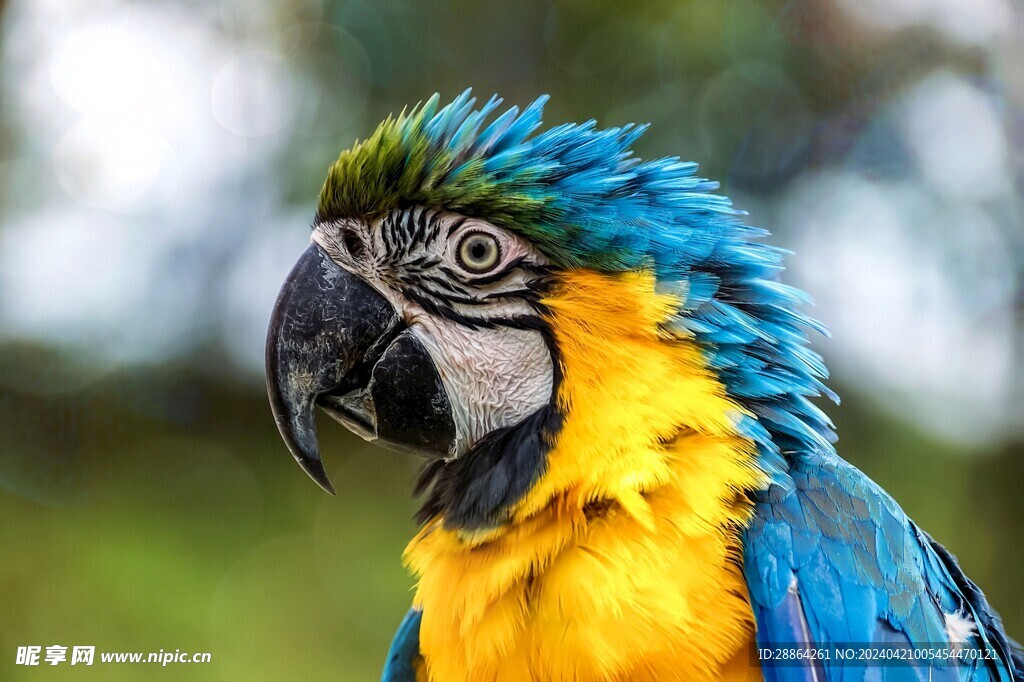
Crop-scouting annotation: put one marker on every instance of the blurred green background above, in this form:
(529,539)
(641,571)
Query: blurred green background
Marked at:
(159,163)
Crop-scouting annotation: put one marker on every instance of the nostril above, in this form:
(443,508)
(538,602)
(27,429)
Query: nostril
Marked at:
(354,244)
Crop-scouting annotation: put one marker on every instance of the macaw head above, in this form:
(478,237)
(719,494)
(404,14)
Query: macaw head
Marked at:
(474,288)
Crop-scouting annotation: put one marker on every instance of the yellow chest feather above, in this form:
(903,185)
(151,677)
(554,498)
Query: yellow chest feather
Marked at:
(622,562)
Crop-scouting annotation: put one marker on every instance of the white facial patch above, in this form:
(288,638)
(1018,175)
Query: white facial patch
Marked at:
(495,370)
(495,378)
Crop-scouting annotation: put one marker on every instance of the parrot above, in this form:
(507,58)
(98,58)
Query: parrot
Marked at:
(625,473)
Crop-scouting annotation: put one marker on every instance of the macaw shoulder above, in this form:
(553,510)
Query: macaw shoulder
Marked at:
(834,559)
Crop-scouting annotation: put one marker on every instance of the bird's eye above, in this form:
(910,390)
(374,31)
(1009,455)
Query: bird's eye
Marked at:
(479,252)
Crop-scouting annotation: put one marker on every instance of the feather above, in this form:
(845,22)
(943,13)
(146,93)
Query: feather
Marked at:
(837,552)
(404,654)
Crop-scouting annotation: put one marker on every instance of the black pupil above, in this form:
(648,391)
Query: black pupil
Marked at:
(478,250)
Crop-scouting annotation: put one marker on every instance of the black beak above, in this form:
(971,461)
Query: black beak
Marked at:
(334,341)
(325,322)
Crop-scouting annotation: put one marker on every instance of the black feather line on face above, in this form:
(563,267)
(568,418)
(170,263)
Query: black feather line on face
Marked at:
(440,307)
(388,236)
(421,228)
(521,263)
(476,490)
(451,286)
(453,298)
(456,225)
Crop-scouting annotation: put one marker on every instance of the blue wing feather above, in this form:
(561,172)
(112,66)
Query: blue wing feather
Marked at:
(405,649)
(834,560)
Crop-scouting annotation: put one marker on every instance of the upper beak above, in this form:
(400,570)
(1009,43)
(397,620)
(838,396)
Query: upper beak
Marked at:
(327,331)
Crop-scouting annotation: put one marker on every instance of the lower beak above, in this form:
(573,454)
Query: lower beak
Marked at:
(334,341)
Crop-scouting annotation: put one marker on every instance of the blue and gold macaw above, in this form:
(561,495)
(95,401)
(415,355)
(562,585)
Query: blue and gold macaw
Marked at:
(626,478)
